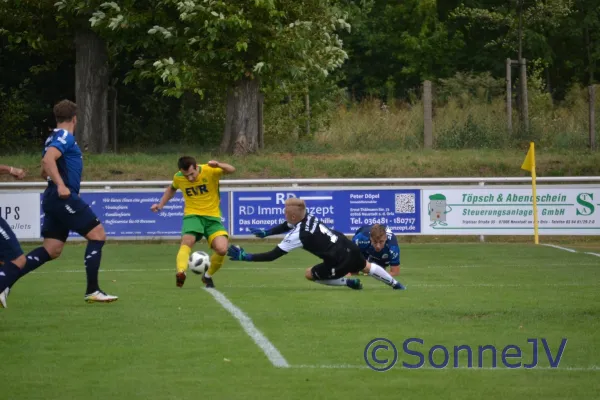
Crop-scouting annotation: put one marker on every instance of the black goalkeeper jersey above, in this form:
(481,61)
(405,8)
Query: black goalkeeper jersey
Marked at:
(316,238)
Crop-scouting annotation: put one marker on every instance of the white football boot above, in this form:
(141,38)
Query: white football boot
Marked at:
(4,297)
(99,297)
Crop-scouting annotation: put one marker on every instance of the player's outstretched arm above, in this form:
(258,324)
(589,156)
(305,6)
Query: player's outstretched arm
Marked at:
(168,195)
(16,172)
(227,168)
(236,253)
(274,230)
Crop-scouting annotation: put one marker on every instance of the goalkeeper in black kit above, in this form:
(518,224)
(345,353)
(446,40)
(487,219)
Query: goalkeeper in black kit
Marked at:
(339,254)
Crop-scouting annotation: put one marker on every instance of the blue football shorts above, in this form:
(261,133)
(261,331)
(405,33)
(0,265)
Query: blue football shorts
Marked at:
(10,249)
(62,216)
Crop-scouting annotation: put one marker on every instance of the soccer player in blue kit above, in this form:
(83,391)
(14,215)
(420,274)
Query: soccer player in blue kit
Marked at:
(12,259)
(379,244)
(64,210)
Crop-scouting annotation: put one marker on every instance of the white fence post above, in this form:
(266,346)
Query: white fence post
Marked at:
(482,237)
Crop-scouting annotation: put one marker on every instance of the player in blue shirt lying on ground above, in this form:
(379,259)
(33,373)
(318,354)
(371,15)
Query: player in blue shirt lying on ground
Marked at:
(378,244)
(12,259)
(340,255)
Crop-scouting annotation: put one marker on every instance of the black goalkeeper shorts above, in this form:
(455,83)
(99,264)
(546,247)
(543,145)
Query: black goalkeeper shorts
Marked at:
(351,262)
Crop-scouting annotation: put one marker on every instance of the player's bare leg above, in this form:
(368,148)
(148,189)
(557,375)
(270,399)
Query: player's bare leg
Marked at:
(93,255)
(351,283)
(183,256)
(382,275)
(53,247)
(219,244)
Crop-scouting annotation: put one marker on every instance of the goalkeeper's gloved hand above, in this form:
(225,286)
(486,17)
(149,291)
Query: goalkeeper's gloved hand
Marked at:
(236,253)
(259,233)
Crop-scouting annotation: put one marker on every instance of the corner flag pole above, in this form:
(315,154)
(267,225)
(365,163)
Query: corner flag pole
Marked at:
(529,165)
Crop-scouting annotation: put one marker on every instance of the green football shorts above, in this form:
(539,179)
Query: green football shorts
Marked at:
(208,227)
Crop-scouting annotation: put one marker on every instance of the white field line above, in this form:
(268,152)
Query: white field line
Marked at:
(572,250)
(561,248)
(261,340)
(504,284)
(559,265)
(595,368)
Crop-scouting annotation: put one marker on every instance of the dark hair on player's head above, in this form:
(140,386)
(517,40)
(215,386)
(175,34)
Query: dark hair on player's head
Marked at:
(186,162)
(64,111)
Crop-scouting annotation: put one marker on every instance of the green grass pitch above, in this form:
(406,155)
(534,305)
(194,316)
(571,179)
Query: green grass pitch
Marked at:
(162,342)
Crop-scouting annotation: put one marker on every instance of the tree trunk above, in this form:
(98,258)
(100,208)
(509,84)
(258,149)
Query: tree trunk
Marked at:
(91,91)
(591,59)
(242,129)
(261,126)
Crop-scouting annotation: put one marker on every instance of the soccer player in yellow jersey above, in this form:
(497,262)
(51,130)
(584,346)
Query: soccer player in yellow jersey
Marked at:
(201,215)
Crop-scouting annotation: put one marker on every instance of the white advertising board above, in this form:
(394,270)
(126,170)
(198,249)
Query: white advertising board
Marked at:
(22,212)
(434,210)
(509,211)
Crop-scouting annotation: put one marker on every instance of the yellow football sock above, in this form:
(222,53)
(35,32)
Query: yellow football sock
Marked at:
(183,257)
(216,261)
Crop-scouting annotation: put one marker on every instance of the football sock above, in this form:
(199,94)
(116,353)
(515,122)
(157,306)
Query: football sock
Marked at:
(332,282)
(9,273)
(216,262)
(381,274)
(35,259)
(183,257)
(93,255)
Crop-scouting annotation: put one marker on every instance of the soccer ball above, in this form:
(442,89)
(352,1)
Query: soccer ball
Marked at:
(199,262)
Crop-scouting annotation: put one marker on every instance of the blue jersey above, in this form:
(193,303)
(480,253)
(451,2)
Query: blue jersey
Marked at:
(70,164)
(388,256)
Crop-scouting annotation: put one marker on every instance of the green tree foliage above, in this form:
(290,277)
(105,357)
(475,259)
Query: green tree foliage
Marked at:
(201,42)
(174,62)
(397,45)
(36,68)
(576,45)
(200,45)
(495,29)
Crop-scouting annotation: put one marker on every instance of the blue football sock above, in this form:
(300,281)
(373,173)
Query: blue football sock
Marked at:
(35,259)
(9,273)
(93,255)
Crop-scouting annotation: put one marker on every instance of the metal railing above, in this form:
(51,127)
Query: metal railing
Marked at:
(319,181)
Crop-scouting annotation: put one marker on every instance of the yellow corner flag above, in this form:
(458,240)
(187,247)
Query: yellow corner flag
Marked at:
(529,165)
